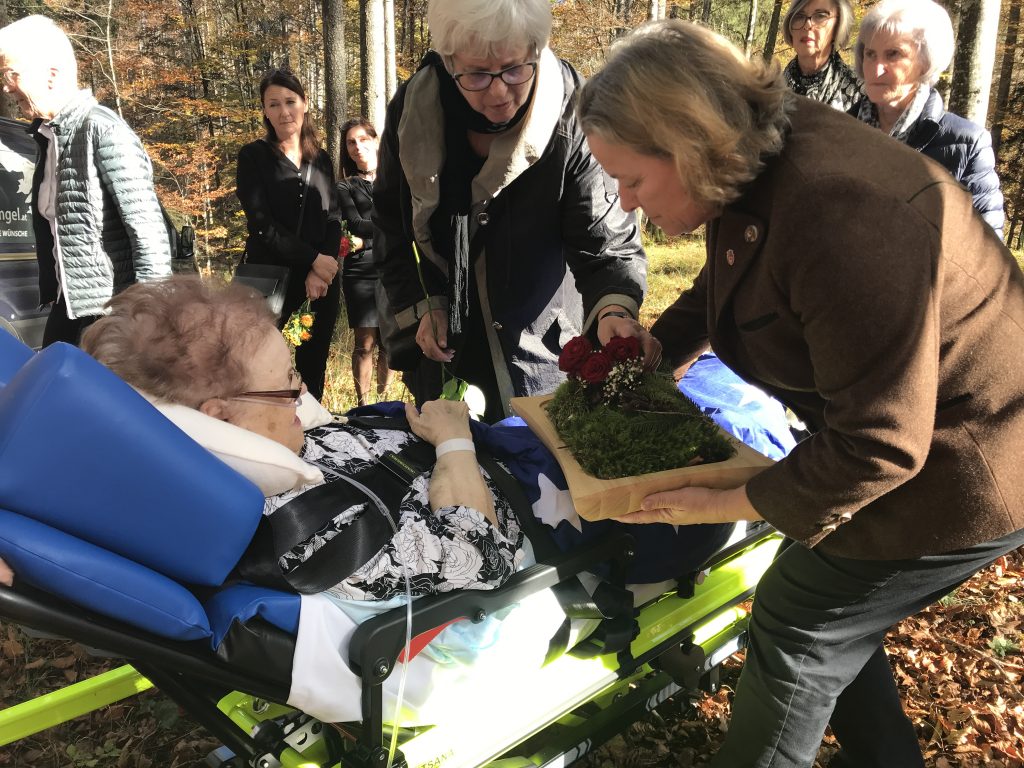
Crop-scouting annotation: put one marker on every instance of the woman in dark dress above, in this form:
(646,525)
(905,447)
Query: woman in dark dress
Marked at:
(359,273)
(286,187)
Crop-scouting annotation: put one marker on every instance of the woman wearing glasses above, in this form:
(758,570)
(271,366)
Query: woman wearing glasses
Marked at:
(902,48)
(817,29)
(521,242)
(194,348)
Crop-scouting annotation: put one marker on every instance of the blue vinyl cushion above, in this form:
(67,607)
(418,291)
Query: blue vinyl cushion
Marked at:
(84,453)
(240,602)
(13,355)
(98,580)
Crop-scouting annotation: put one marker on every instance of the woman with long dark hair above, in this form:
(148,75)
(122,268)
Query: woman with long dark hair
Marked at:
(359,273)
(286,187)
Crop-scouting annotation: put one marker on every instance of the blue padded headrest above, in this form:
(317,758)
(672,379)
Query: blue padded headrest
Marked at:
(101,581)
(13,355)
(84,453)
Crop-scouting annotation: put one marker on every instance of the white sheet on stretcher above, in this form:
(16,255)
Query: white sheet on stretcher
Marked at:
(462,663)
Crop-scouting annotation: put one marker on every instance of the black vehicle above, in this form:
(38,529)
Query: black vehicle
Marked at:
(19,271)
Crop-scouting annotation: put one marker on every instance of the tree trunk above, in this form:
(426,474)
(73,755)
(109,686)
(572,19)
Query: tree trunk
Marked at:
(705,12)
(654,10)
(748,41)
(1005,74)
(335,76)
(773,31)
(390,74)
(372,45)
(975,59)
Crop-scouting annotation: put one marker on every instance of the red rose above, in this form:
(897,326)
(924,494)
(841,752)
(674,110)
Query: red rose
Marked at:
(345,247)
(596,368)
(620,348)
(573,355)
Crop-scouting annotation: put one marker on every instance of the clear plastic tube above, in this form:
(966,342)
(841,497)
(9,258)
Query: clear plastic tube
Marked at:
(382,508)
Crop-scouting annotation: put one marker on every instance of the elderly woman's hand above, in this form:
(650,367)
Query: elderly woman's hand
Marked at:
(432,336)
(439,420)
(692,506)
(610,326)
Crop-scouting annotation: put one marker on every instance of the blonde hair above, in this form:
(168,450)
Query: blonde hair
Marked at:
(488,28)
(841,31)
(678,90)
(38,41)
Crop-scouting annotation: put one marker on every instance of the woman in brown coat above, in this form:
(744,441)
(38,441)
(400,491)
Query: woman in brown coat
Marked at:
(851,278)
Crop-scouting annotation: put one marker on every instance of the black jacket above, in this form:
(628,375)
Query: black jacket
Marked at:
(355,196)
(556,244)
(270,189)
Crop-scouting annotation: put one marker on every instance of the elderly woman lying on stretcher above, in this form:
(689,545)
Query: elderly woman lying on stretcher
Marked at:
(213,362)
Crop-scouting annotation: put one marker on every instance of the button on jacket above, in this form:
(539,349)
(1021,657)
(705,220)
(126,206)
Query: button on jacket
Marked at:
(879,305)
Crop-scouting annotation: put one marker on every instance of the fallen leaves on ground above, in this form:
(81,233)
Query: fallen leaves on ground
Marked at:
(958,666)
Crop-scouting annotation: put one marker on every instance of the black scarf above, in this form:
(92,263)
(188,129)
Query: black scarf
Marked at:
(450,223)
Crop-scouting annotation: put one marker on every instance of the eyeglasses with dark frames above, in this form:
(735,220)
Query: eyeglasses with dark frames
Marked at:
(517,74)
(816,20)
(292,397)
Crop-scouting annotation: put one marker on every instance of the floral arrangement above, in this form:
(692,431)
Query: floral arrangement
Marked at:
(620,421)
(299,327)
(345,247)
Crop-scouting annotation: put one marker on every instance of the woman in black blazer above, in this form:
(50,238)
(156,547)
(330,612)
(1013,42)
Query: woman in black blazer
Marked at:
(359,274)
(282,177)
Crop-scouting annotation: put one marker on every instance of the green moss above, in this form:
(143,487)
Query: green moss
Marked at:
(656,428)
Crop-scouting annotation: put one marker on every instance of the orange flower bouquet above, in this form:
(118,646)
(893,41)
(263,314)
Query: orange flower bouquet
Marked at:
(299,327)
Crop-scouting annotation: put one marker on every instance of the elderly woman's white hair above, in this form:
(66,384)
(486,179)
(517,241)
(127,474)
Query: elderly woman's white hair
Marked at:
(37,40)
(923,22)
(488,28)
(841,32)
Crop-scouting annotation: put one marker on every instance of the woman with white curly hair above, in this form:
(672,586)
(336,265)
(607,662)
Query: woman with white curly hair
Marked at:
(902,49)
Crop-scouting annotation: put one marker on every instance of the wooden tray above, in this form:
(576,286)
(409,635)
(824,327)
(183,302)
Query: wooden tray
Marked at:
(599,499)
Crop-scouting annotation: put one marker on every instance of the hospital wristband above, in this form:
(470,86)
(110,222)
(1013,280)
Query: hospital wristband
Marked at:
(455,444)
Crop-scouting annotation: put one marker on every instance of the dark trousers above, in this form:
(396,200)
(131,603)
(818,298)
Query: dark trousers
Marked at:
(311,356)
(816,654)
(59,327)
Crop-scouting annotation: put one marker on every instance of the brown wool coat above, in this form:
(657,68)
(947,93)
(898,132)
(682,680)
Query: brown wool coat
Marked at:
(855,282)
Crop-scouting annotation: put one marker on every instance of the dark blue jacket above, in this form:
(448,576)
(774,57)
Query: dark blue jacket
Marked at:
(965,150)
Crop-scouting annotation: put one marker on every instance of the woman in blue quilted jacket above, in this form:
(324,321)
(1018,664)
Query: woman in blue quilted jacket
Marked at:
(902,48)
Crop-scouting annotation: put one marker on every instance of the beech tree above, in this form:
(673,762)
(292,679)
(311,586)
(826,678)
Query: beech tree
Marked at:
(335,77)
(1005,73)
(975,58)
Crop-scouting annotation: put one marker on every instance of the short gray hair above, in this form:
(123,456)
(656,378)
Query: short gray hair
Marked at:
(677,90)
(841,32)
(488,27)
(38,40)
(924,22)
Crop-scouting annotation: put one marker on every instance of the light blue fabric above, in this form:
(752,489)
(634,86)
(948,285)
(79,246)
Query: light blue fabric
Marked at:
(739,408)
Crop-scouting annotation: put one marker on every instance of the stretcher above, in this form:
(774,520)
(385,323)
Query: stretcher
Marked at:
(133,562)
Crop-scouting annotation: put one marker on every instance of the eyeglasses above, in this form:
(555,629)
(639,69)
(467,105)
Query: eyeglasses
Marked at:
(10,77)
(268,396)
(816,19)
(517,74)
